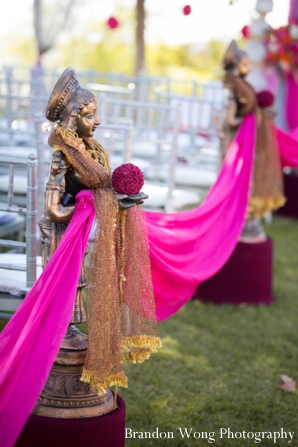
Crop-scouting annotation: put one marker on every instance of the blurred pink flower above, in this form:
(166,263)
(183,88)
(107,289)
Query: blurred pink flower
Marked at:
(186,10)
(112,23)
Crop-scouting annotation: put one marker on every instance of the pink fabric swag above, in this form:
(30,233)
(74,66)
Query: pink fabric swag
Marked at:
(31,340)
(291,103)
(186,249)
(189,247)
(288,147)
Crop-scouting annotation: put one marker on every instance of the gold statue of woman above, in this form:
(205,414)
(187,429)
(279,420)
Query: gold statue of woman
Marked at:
(120,303)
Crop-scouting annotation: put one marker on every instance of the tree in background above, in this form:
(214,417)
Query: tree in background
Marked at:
(93,46)
(50,19)
(112,54)
(140,39)
(186,61)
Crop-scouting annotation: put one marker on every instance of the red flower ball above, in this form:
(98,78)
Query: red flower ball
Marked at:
(265,98)
(112,23)
(128,179)
(186,10)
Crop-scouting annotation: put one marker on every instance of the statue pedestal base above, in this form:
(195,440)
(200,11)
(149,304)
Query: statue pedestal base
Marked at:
(252,232)
(65,395)
(245,279)
(291,192)
(107,430)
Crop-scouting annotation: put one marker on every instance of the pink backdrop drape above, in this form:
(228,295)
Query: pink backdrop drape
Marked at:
(189,247)
(31,340)
(288,140)
(291,102)
(288,147)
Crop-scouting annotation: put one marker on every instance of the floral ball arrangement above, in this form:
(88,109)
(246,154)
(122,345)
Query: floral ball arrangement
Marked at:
(128,179)
(282,47)
(265,99)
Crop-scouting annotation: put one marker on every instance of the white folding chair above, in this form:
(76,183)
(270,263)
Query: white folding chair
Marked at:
(18,272)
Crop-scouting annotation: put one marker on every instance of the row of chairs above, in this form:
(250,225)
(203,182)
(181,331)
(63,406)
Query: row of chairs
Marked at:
(28,80)
(20,265)
(123,101)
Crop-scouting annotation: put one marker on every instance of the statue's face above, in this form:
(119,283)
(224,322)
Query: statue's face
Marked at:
(243,66)
(87,120)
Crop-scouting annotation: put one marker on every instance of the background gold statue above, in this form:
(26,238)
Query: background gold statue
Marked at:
(267,184)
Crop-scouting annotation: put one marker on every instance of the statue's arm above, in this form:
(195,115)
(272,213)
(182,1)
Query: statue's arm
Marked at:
(55,211)
(231,110)
(244,95)
(55,190)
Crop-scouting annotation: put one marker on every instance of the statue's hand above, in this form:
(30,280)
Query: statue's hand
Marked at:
(120,196)
(270,112)
(128,201)
(123,203)
(138,198)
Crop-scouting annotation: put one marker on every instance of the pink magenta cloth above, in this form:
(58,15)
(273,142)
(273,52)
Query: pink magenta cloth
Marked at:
(291,103)
(31,340)
(189,247)
(186,249)
(288,147)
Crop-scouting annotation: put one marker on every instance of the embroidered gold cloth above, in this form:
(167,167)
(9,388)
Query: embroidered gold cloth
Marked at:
(120,302)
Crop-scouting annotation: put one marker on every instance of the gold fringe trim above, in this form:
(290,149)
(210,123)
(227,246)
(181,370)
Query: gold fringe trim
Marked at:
(139,348)
(141,341)
(137,355)
(118,379)
(136,349)
(260,206)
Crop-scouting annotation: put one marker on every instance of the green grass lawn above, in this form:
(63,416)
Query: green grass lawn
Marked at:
(219,366)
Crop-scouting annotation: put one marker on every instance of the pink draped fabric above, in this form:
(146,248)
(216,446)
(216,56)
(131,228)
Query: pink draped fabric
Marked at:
(31,340)
(189,247)
(288,147)
(186,249)
(291,101)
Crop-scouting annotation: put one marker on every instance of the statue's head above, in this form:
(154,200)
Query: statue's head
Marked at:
(236,60)
(72,106)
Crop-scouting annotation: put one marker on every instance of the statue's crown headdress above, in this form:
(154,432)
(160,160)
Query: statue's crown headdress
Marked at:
(65,89)
(233,56)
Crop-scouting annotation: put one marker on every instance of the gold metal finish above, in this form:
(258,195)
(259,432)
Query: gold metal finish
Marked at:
(78,160)
(65,395)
